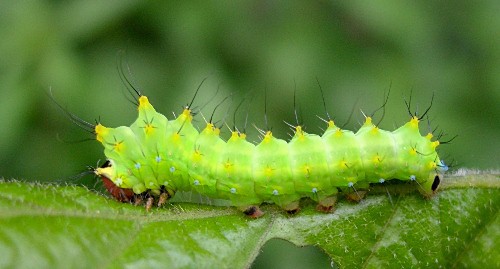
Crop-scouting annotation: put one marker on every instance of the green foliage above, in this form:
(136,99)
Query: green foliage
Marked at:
(49,226)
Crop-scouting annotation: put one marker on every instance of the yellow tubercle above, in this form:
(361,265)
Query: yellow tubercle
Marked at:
(149,128)
(234,135)
(343,164)
(338,132)
(196,156)
(413,151)
(268,172)
(209,128)
(432,165)
(414,122)
(228,166)
(243,136)
(176,137)
(118,146)
(435,144)
(101,132)
(331,124)
(268,136)
(187,115)
(429,136)
(377,160)
(307,170)
(368,120)
(143,102)
(299,132)
(374,130)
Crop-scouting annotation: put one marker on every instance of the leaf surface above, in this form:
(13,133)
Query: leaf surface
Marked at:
(55,226)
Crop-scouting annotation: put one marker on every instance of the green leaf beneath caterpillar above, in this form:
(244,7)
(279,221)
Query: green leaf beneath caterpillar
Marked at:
(54,226)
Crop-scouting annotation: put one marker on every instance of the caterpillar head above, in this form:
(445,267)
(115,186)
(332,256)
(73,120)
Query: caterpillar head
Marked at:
(132,151)
(105,172)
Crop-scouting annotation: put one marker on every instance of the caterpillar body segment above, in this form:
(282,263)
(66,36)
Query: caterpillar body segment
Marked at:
(235,172)
(156,157)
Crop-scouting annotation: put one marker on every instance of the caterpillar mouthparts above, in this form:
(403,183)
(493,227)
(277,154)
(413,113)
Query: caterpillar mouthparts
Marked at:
(156,157)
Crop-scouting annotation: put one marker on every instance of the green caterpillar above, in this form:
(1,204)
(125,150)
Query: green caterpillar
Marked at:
(156,157)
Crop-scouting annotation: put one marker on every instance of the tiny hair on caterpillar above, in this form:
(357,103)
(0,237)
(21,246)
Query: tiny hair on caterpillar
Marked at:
(155,157)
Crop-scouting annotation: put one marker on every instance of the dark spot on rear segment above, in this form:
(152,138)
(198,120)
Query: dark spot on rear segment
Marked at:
(436,182)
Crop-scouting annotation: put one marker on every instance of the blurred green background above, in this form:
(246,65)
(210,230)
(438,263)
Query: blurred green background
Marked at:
(356,49)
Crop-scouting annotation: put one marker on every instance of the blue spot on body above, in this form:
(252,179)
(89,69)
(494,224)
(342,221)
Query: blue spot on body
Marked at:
(442,166)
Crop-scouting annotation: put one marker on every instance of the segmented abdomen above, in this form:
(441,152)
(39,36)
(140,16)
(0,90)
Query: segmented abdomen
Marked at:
(154,152)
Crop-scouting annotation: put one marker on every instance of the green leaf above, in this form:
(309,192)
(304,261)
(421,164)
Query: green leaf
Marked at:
(51,226)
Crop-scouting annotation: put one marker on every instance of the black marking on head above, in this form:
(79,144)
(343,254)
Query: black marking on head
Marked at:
(107,163)
(436,182)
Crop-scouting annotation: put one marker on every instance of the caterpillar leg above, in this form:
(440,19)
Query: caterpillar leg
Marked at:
(292,208)
(252,211)
(149,203)
(356,196)
(163,198)
(138,199)
(356,192)
(327,205)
